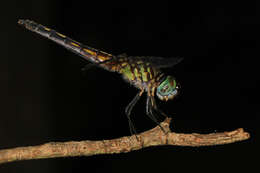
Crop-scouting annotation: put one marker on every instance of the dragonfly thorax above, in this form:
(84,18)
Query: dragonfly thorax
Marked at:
(167,89)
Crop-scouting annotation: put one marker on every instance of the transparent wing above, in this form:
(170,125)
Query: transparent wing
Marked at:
(158,62)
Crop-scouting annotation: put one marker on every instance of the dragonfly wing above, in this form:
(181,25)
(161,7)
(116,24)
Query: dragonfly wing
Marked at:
(159,62)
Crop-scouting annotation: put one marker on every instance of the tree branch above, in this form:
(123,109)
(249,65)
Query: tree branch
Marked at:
(153,137)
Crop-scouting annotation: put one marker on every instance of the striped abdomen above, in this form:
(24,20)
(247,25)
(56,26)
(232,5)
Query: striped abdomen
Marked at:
(86,52)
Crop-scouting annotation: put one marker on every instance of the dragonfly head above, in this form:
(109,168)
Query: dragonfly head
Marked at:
(167,89)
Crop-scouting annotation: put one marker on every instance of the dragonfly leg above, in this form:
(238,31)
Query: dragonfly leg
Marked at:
(128,111)
(150,112)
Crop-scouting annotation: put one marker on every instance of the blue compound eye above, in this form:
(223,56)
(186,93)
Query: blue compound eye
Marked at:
(167,89)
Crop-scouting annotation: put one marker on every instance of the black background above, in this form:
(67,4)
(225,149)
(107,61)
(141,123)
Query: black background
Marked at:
(46,97)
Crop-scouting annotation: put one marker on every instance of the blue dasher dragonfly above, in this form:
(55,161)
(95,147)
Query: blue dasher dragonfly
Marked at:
(142,72)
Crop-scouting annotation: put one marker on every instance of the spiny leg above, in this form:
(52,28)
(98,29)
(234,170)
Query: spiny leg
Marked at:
(150,112)
(128,110)
(133,102)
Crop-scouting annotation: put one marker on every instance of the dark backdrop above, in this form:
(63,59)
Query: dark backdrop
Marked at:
(46,97)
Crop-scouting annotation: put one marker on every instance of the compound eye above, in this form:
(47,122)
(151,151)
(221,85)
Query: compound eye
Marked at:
(165,88)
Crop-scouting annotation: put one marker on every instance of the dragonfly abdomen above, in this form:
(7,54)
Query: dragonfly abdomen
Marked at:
(88,53)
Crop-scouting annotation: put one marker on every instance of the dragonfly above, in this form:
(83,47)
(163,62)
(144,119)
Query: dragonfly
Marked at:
(143,72)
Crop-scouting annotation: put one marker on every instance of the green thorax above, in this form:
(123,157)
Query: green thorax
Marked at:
(139,73)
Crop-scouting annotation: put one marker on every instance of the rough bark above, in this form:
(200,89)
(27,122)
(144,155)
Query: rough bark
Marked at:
(153,137)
